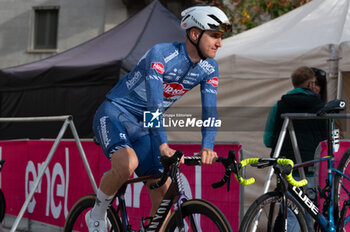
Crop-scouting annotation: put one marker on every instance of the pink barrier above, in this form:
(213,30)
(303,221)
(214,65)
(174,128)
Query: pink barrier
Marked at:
(66,180)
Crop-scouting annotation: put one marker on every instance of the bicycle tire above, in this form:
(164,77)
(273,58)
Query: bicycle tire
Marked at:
(76,218)
(269,204)
(340,195)
(2,206)
(207,215)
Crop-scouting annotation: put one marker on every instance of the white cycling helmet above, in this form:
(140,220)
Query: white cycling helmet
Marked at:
(205,17)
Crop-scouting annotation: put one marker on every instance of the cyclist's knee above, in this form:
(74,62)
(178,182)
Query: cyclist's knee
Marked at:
(124,163)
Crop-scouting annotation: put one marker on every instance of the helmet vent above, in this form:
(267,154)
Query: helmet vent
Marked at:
(215,18)
(185,17)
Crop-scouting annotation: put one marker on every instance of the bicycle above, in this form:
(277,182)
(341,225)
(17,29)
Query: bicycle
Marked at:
(188,214)
(269,211)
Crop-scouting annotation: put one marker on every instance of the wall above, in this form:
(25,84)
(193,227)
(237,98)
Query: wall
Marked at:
(79,21)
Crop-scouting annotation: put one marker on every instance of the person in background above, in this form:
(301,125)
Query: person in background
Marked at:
(165,73)
(308,84)
(302,99)
(321,83)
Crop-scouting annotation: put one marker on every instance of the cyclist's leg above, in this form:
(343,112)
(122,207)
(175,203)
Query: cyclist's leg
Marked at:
(293,225)
(112,136)
(123,164)
(292,221)
(148,153)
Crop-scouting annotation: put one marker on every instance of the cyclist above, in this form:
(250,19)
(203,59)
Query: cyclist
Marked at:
(162,75)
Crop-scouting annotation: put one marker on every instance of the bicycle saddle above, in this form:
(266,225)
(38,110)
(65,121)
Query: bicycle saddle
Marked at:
(333,106)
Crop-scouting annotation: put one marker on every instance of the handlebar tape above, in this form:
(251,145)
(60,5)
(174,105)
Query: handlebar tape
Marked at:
(289,177)
(244,163)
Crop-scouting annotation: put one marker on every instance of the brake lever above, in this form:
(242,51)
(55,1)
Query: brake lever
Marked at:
(233,163)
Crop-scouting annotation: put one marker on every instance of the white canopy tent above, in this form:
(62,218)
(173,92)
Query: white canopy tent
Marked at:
(311,35)
(255,68)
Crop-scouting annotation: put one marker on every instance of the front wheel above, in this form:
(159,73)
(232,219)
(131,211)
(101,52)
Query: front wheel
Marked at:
(341,190)
(76,217)
(199,215)
(265,214)
(2,206)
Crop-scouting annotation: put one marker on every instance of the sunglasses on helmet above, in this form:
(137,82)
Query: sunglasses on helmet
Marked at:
(319,72)
(223,27)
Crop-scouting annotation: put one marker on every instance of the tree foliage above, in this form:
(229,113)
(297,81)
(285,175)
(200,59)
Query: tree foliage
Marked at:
(246,14)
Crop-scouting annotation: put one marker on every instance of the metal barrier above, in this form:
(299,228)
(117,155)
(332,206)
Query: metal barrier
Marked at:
(67,120)
(287,123)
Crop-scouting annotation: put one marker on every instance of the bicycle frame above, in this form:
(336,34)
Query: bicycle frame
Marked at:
(175,195)
(326,224)
(297,193)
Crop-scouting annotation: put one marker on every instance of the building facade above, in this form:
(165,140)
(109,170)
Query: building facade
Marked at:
(32,30)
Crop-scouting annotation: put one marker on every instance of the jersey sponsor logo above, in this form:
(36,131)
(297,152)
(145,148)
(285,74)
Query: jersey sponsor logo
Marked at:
(130,83)
(206,90)
(158,66)
(208,68)
(104,131)
(171,56)
(194,74)
(154,77)
(213,81)
(173,89)
(188,82)
(167,102)
(191,78)
(122,136)
(168,77)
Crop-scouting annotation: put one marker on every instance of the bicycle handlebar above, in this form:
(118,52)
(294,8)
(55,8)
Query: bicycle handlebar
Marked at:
(167,162)
(261,163)
(231,166)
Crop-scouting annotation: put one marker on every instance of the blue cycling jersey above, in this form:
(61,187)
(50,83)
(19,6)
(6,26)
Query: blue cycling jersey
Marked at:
(161,77)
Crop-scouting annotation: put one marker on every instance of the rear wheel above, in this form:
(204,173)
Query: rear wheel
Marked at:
(199,215)
(76,217)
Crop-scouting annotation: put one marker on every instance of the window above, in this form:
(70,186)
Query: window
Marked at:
(45,28)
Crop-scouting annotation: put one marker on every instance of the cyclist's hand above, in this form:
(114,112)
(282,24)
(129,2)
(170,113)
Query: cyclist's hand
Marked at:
(208,156)
(165,150)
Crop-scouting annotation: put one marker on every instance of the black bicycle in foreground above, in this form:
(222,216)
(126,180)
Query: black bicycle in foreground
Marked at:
(187,214)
